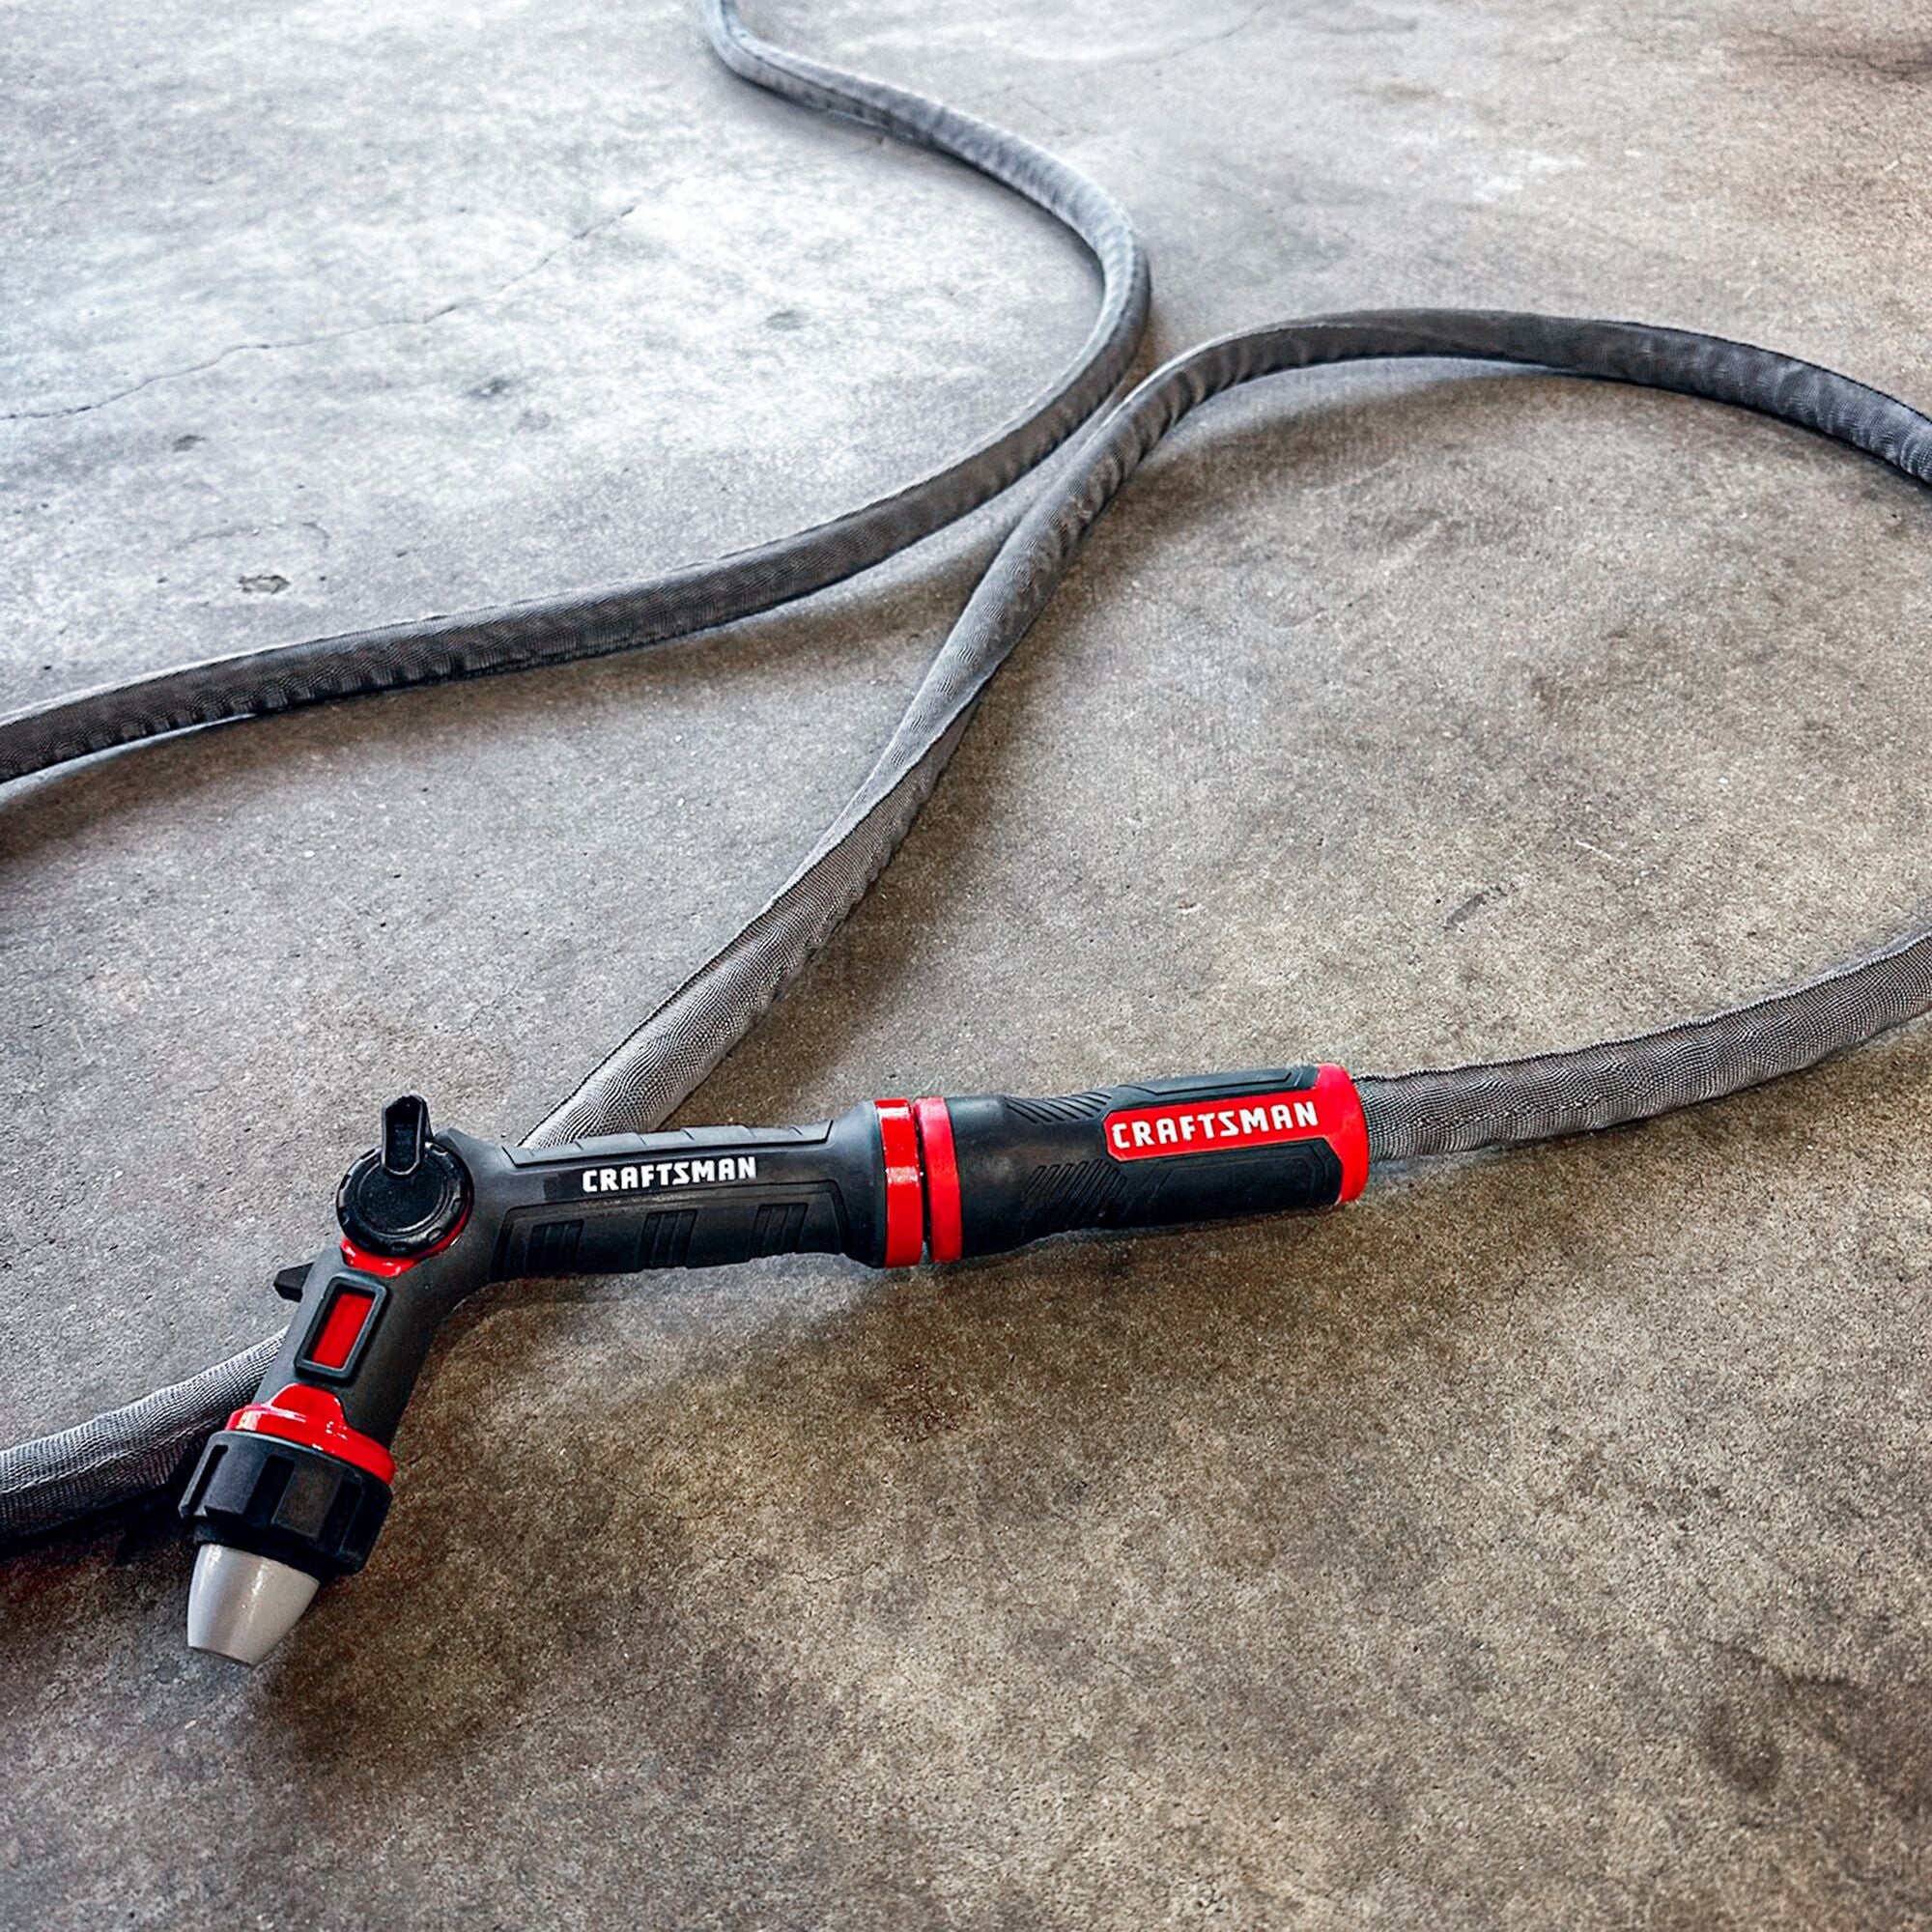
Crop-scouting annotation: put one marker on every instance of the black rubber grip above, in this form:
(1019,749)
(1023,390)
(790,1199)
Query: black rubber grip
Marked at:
(301,1473)
(1203,1147)
(304,1476)
(698,1197)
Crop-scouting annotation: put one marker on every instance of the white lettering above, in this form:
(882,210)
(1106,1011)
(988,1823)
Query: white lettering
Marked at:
(1152,1130)
(680,1172)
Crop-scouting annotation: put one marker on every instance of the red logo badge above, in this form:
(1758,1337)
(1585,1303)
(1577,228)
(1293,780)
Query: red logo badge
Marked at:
(1213,1127)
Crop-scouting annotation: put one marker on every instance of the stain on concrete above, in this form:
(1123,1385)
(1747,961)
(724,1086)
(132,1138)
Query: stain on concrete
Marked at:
(1888,58)
(1741,1746)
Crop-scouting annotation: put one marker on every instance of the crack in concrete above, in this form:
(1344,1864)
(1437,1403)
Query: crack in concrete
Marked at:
(424,321)
(1188,46)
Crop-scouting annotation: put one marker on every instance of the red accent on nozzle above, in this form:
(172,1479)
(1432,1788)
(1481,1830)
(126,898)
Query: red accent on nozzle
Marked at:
(905,1193)
(314,1418)
(341,1327)
(386,1268)
(942,1178)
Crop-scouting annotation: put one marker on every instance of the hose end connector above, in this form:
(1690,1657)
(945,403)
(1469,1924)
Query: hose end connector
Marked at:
(284,1499)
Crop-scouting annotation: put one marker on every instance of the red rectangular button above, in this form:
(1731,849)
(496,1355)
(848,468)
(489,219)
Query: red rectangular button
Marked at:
(341,1328)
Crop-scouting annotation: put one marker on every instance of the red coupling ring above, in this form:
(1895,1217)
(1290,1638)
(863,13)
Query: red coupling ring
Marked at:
(944,1232)
(313,1418)
(905,1192)
(1341,1110)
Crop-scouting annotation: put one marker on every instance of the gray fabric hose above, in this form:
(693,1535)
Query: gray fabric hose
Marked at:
(1422,1113)
(116,1456)
(434,650)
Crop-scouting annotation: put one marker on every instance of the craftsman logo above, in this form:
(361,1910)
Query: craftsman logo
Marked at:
(1194,1126)
(635,1179)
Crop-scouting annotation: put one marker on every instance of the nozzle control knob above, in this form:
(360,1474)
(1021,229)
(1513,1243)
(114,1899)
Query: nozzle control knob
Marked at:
(407,1194)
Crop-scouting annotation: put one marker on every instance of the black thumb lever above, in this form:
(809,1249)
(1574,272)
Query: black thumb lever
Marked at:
(405,1196)
(405,1133)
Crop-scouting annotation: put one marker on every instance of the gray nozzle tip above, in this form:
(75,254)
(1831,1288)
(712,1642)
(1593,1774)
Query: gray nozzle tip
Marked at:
(241,1606)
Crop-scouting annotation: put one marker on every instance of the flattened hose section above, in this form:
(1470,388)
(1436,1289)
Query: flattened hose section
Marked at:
(584,624)
(1430,1112)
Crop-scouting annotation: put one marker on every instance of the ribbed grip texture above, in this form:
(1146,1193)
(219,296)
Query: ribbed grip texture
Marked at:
(1152,1154)
(287,1501)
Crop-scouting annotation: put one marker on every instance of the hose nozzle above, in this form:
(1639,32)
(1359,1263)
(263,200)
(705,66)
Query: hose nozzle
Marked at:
(278,1509)
(241,1604)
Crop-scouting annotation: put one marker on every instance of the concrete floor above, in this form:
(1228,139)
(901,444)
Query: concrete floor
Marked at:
(1545,1541)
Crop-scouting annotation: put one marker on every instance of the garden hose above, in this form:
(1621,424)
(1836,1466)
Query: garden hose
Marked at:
(293,1489)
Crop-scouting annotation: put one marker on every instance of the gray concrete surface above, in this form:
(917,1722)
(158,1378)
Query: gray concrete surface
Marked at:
(1543,1542)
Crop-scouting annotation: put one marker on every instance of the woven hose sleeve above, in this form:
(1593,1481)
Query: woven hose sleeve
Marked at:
(100,1464)
(1422,1113)
(95,1465)
(594,623)
(1459,1109)
(1462,1109)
